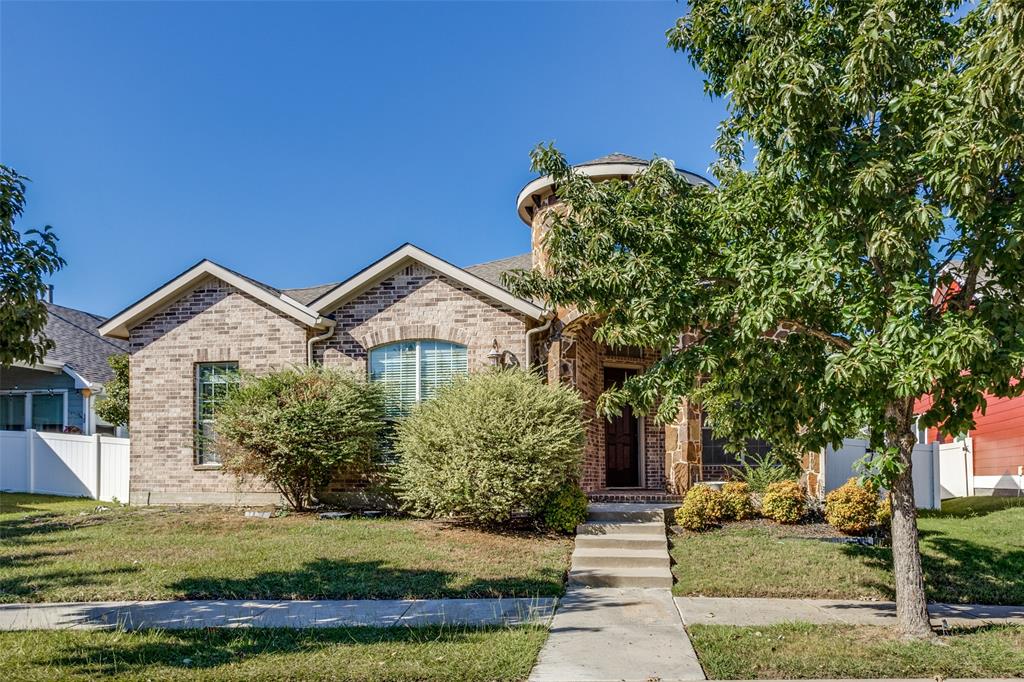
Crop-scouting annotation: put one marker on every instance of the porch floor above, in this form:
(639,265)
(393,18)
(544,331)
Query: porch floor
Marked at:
(634,495)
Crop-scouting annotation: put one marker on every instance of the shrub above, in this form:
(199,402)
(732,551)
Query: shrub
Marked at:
(702,508)
(784,502)
(883,515)
(489,446)
(736,501)
(296,427)
(565,509)
(852,507)
(759,472)
(113,406)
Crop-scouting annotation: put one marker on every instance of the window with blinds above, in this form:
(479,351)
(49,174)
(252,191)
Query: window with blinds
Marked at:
(413,371)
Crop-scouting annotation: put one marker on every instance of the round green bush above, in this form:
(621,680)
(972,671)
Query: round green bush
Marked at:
(565,510)
(852,508)
(784,501)
(490,446)
(737,502)
(703,507)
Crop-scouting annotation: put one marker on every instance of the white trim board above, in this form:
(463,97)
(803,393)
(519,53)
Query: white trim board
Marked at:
(408,253)
(119,325)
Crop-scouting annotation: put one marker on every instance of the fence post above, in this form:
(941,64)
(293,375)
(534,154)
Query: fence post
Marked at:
(30,434)
(99,462)
(936,475)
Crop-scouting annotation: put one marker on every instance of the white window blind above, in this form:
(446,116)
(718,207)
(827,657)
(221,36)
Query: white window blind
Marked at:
(413,371)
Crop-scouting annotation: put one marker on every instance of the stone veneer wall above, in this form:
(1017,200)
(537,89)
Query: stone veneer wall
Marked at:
(590,360)
(213,323)
(416,303)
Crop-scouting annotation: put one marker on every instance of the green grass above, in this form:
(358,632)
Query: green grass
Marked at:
(358,654)
(801,651)
(56,549)
(972,551)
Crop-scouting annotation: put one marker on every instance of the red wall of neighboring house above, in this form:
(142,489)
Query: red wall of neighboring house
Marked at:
(998,437)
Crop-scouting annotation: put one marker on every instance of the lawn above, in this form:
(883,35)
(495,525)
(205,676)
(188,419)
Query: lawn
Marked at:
(801,651)
(359,654)
(972,551)
(56,549)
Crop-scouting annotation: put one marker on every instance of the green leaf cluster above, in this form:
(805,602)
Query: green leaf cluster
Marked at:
(113,407)
(297,427)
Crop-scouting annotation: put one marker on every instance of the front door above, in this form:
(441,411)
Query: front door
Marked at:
(621,439)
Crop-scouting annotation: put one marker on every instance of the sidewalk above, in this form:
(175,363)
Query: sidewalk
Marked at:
(747,611)
(257,613)
(604,634)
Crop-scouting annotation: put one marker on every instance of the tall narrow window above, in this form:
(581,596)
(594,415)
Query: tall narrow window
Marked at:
(213,380)
(48,411)
(12,412)
(414,370)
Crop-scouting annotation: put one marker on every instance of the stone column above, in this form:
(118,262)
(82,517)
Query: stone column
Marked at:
(683,452)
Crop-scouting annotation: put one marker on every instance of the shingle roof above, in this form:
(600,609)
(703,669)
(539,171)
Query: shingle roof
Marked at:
(492,270)
(79,345)
(615,157)
(306,295)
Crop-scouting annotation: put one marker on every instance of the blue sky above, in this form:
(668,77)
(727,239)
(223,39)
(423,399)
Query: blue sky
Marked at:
(298,142)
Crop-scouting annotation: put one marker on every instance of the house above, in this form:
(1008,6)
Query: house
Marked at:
(994,449)
(410,320)
(60,393)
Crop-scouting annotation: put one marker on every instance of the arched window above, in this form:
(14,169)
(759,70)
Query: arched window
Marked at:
(414,370)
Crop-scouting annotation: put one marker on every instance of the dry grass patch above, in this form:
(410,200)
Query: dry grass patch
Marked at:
(52,553)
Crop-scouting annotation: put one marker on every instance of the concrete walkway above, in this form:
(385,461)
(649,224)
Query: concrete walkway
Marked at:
(606,634)
(744,611)
(257,613)
(617,620)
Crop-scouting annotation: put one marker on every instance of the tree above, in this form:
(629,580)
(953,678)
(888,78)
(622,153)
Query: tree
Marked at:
(113,407)
(25,261)
(797,301)
(295,428)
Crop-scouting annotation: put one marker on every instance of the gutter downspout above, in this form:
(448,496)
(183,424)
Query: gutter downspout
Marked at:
(529,338)
(331,324)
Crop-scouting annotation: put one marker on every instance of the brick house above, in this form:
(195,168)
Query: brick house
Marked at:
(412,321)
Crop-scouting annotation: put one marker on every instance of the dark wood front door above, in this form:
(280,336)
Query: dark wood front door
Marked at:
(621,439)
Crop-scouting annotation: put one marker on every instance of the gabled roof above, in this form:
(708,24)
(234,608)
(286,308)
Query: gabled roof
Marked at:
(408,253)
(80,350)
(493,270)
(118,325)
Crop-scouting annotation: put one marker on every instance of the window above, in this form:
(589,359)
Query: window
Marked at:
(12,412)
(413,371)
(39,410)
(213,381)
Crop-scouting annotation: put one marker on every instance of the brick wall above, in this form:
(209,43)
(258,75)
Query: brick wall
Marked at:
(419,303)
(588,360)
(212,323)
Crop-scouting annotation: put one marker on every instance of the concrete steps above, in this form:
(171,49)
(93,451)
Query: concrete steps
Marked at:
(622,545)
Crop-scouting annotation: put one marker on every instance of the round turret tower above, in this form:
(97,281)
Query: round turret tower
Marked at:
(536,201)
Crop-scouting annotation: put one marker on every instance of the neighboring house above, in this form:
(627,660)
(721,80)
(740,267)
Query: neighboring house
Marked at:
(60,393)
(997,441)
(410,320)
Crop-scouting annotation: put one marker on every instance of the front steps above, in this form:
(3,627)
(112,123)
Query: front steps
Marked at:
(622,545)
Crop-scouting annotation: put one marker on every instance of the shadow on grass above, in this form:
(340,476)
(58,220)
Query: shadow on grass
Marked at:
(335,579)
(955,570)
(210,648)
(26,588)
(36,525)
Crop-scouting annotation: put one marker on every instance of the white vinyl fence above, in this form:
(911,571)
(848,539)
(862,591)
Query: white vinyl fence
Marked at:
(956,469)
(64,464)
(839,466)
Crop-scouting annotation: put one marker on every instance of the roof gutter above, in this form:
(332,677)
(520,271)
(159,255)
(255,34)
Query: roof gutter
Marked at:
(331,324)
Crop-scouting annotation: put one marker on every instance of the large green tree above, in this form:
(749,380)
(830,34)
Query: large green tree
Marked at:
(25,262)
(798,300)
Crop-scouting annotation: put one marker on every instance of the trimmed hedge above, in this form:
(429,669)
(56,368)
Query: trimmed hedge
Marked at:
(737,502)
(566,509)
(702,508)
(490,446)
(784,501)
(852,508)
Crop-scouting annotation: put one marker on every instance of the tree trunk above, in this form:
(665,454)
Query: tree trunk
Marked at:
(911,605)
